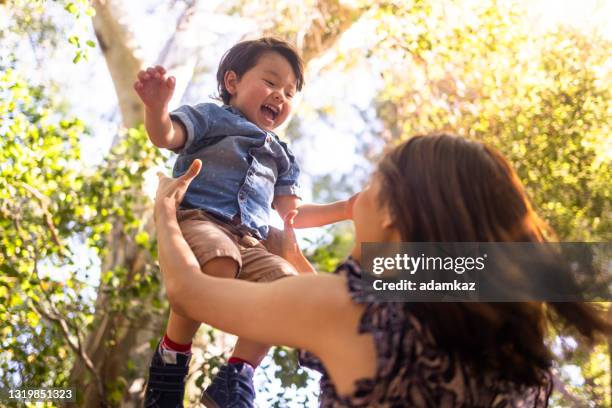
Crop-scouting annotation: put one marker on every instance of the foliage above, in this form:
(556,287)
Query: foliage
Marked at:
(113,190)
(325,255)
(40,157)
(40,21)
(79,9)
(50,203)
(543,100)
(290,376)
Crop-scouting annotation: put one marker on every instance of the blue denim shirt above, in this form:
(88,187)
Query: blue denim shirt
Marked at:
(243,166)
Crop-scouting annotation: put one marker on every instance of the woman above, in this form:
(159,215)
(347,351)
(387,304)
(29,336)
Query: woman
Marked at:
(376,354)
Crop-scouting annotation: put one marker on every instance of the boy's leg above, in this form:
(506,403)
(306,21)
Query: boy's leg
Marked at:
(249,351)
(219,256)
(170,363)
(258,265)
(233,385)
(181,329)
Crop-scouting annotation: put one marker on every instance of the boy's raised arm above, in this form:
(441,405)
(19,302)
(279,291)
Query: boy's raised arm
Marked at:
(155,89)
(163,131)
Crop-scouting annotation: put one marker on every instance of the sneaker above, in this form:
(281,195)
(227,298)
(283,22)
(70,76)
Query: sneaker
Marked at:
(231,388)
(166,385)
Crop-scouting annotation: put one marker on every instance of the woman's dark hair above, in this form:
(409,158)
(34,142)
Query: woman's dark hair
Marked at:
(244,56)
(444,188)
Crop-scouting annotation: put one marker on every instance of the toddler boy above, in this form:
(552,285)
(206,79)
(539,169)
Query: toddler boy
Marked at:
(224,216)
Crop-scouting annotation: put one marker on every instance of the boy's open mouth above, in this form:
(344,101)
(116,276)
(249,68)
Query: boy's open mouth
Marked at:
(270,112)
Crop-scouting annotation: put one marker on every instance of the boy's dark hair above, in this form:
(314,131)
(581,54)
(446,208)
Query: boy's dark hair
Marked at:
(244,55)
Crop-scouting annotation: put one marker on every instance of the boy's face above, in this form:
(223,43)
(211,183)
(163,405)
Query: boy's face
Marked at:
(264,93)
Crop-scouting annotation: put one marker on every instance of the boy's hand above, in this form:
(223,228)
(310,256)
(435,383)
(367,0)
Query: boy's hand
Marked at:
(155,88)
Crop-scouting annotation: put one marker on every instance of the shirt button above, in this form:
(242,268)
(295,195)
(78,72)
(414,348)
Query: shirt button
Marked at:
(268,138)
(241,196)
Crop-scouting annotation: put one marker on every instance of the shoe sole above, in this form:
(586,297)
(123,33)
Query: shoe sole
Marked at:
(208,401)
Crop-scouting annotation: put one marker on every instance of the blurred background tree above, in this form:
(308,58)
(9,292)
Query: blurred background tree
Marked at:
(80,299)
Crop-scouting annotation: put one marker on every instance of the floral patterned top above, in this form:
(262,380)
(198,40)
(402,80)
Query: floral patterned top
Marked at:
(412,371)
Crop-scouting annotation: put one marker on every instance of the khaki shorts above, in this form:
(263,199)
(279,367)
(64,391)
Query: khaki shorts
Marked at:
(211,238)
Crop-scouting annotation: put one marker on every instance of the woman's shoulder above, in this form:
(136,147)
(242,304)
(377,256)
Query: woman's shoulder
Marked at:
(378,315)
(351,270)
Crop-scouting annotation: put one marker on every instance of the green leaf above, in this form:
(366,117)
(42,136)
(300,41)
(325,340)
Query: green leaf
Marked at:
(74,40)
(71,8)
(142,238)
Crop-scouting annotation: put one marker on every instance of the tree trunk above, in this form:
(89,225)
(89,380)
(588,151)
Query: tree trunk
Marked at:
(116,338)
(122,57)
(610,352)
(332,18)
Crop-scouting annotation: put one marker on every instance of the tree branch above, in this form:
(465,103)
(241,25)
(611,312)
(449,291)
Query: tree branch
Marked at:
(77,348)
(44,205)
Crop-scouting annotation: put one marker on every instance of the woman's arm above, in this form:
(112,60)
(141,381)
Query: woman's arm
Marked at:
(312,312)
(297,312)
(284,244)
(300,312)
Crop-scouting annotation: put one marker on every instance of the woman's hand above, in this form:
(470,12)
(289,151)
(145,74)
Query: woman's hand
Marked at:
(170,191)
(350,203)
(284,244)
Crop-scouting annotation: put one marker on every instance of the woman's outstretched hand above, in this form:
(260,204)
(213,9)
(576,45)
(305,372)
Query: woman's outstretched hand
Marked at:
(170,191)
